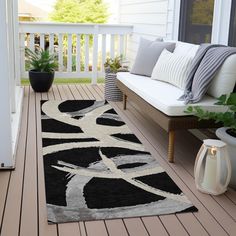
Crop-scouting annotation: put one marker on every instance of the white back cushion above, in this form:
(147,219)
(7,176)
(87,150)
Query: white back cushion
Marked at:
(225,79)
(172,68)
(187,49)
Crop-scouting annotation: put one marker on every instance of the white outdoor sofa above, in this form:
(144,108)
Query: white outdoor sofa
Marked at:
(160,101)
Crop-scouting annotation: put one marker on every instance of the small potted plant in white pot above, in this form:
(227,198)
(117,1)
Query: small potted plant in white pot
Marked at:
(227,133)
(42,69)
(112,66)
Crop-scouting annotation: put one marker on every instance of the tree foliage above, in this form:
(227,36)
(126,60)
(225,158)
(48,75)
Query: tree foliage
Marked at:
(203,12)
(80,11)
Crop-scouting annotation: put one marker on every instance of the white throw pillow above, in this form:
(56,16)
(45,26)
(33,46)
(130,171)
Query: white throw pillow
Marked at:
(225,79)
(187,49)
(172,68)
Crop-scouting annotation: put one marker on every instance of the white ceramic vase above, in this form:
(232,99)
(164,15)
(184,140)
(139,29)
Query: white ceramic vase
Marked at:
(231,145)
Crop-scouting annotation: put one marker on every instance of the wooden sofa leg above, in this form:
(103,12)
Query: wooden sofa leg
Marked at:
(171,146)
(124,101)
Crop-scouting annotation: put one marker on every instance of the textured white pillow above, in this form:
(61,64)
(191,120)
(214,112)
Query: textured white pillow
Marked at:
(172,68)
(187,49)
(225,79)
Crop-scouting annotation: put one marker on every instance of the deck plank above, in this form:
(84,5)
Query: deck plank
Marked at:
(44,96)
(75,92)
(56,93)
(154,225)
(231,194)
(97,92)
(93,92)
(96,228)
(4,181)
(51,94)
(62,92)
(44,228)
(71,229)
(191,224)
(116,228)
(11,218)
(88,92)
(173,226)
(29,213)
(135,227)
(68,92)
(82,228)
(81,91)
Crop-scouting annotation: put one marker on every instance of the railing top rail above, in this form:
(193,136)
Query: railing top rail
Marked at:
(51,27)
(73,24)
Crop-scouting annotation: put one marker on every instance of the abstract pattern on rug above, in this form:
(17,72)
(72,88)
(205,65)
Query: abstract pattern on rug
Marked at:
(95,168)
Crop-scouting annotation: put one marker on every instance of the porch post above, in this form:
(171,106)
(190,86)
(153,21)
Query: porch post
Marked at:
(6,154)
(11,57)
(16,42)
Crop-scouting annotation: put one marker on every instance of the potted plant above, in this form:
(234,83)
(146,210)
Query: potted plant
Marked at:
(112,66)
(227,133)
(42,69)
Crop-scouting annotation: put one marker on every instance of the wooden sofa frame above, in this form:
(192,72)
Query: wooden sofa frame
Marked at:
(168,123)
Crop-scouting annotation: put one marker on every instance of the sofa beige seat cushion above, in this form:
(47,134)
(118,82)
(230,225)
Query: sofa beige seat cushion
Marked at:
(163,96)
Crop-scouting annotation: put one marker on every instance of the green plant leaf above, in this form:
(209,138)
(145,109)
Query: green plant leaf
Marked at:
(221,100)
(113,65)
(41,60)
(228,118)
(232,99)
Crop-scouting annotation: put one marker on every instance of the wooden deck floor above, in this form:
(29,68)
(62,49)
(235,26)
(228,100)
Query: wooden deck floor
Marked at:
(22,193)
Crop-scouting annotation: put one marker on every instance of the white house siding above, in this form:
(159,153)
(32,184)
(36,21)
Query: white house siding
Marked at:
(149,18)
(173,14)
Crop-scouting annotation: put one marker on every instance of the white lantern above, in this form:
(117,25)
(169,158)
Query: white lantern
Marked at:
(212,170)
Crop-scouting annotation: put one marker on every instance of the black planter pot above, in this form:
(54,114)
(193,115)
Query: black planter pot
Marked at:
(41,81)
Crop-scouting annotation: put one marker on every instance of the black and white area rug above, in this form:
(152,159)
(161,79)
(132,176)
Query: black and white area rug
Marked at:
(95,168)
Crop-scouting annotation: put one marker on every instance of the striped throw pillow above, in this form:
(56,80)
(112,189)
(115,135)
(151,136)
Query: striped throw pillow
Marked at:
(172,68)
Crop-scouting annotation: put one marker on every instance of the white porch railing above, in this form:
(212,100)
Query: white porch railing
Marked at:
(81,48)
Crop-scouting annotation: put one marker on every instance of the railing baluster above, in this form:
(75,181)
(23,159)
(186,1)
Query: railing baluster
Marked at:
(51,43)
(69,53)
(32,42)
(95,55)
(86,62)
(78,48)
(121,47)
(60,52)
(42,41)
(112,46)
(22,53)
(104,51)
